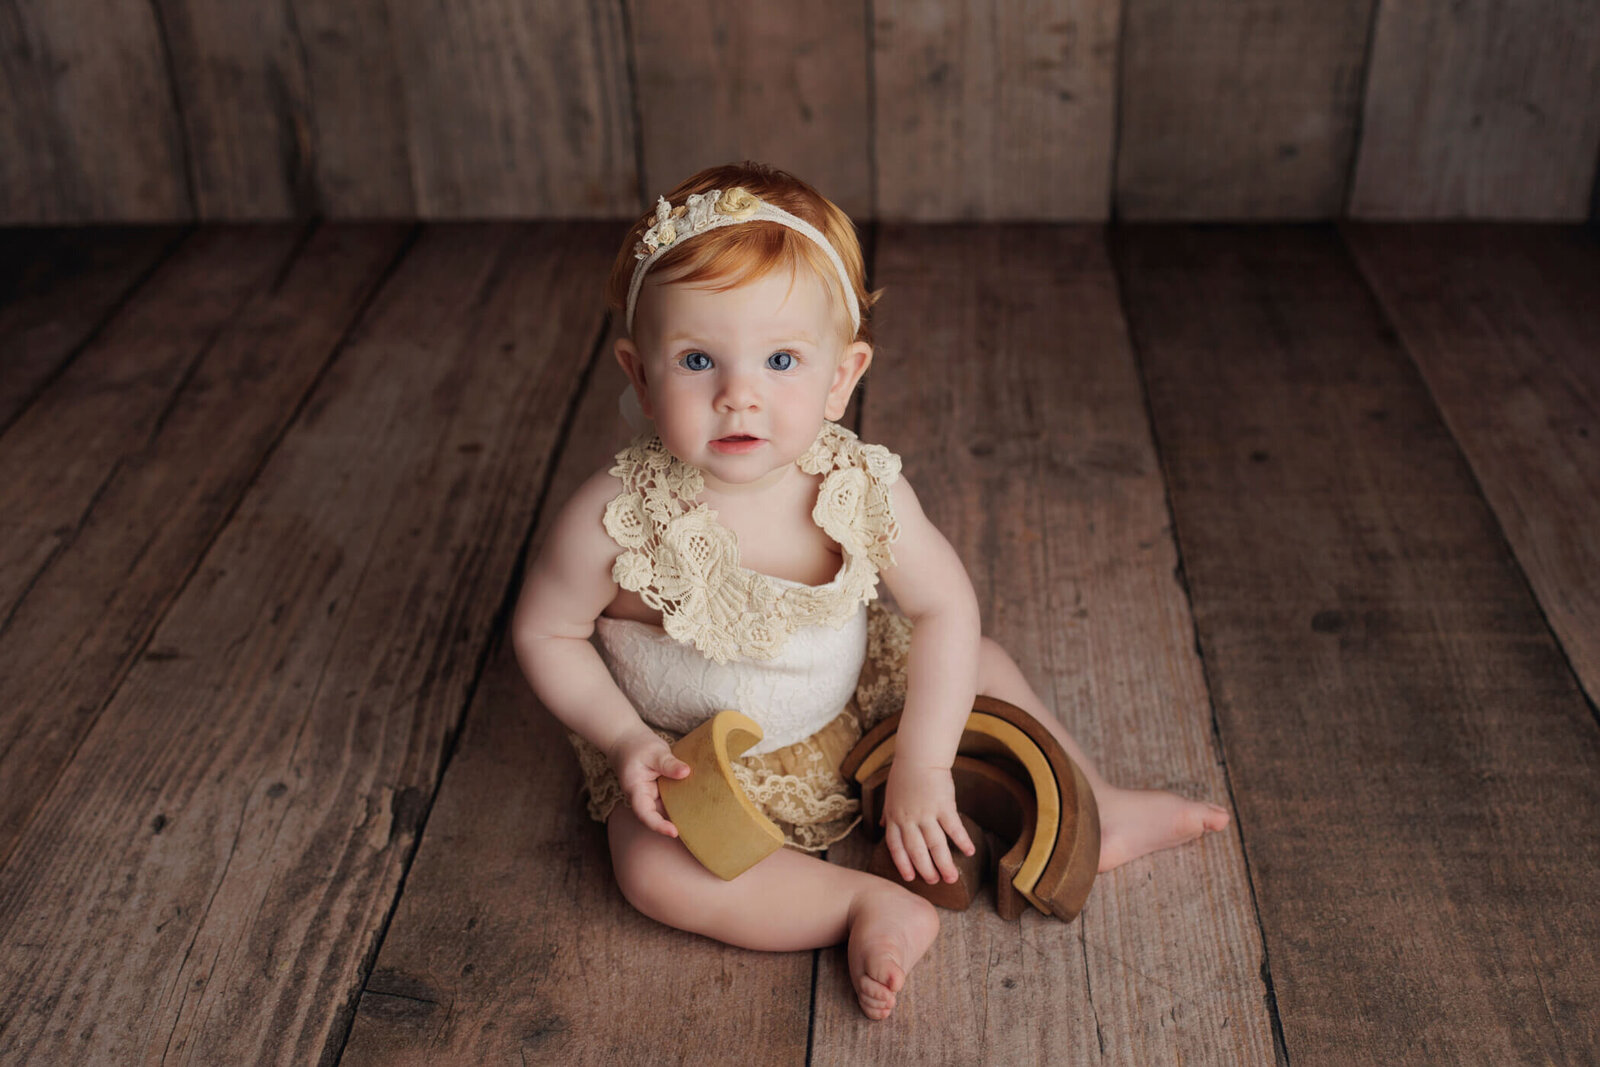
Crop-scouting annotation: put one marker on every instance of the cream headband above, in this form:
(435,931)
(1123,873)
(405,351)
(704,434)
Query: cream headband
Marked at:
(714,209)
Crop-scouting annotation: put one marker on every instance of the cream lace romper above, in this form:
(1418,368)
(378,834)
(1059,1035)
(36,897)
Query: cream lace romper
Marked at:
(814,665)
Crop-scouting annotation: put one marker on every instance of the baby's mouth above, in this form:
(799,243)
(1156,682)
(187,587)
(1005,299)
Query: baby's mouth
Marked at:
(736,442)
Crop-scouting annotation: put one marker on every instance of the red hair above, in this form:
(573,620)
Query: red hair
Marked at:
(733,255)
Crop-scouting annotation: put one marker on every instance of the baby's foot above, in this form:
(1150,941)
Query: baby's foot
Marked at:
(889,931)
(1134,822)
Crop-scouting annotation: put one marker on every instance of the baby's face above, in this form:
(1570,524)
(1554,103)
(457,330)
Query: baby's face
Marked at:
(739,382)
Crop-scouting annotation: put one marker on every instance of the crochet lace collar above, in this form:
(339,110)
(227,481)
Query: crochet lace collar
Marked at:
(685,564)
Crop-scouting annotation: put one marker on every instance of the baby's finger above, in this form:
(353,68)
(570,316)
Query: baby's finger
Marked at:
(897,852)
(647,808)
(670,766)
(917,850)
(939,852)
(956,830)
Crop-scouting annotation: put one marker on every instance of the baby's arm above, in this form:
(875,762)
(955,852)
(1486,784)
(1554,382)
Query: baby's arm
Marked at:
(932,588)
(567,588)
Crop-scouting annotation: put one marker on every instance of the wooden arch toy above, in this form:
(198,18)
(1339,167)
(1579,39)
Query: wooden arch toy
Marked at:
(716,821)
(1061,855)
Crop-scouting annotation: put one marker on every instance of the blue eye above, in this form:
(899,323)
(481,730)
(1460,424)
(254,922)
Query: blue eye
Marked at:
(780,361)
(697,361)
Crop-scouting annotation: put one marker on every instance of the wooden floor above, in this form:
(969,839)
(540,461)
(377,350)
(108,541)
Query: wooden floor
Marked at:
(1302,519)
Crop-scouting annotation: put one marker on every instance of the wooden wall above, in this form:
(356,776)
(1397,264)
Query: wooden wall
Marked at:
(899,109)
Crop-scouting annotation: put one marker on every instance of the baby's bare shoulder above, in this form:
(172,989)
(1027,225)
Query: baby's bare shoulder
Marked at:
(569,581)
(580,524)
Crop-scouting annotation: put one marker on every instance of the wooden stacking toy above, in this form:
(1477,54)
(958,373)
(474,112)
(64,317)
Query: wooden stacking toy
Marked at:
(1055,850)
(716,821)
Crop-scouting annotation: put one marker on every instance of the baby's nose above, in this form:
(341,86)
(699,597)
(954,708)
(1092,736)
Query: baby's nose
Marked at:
(738,393)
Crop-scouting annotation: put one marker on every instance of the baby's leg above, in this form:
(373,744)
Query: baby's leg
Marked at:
(787,902)
(1133,822)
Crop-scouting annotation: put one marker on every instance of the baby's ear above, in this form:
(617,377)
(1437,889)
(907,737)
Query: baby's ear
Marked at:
(853,363)
(632,365)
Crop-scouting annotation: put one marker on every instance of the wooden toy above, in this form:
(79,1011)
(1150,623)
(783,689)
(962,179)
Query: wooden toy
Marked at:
(1060,863)
(716,821)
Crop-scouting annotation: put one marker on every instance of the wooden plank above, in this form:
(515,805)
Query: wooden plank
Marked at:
(57,456)
(1416,771)
(516,109)
(57,287)
(238,74)
(512,938)
(1479,110)
(1504,323)
(1245,110)
(986,116)
(212,871)
(1039,467)
(359,128)
(87,612)
(87,118)
(785,84)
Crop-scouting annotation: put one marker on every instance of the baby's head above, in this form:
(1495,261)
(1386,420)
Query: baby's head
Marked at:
(747,311)
(728,256)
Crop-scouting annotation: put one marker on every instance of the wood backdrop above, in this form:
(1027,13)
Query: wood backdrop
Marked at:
(955,109)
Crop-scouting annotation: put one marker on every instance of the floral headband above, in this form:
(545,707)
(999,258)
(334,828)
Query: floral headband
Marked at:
(712,210)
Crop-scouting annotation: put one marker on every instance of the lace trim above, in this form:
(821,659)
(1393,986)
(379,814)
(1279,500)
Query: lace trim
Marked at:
(684,564)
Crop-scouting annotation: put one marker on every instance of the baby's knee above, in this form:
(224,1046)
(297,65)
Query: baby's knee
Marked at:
(993,661)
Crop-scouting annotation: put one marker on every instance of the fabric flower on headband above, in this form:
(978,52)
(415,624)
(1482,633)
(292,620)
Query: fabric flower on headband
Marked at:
(695,215)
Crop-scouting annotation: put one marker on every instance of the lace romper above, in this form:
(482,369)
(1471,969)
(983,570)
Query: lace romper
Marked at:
(814,665)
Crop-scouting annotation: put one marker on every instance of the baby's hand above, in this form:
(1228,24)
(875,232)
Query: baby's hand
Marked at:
(919,813)
(639,759)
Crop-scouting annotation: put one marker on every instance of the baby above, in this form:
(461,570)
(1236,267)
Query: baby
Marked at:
(730,559)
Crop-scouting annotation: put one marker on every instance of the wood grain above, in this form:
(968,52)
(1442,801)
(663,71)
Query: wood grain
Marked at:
(107,579)
(238,74)
(1243,110)
(986,113)
(57,287)
(784,84)
(1020,420)
(1415,767)
(211,873)
(1504,323)
(512,938)
(1480,109)
(56,457)
(360,131)
(516,109)
(87,118)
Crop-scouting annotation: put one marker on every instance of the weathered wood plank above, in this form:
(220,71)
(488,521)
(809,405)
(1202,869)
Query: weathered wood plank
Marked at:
(1022,426)
(516,109)
(238,73)
(88,610)
(1480,109)
(1504,323)
(359,128)
(512,938)
(87,116)
(57,287)
(58,454)
(986,114)
(785,84)
(1243,110)
(211,872)
(1416,771)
